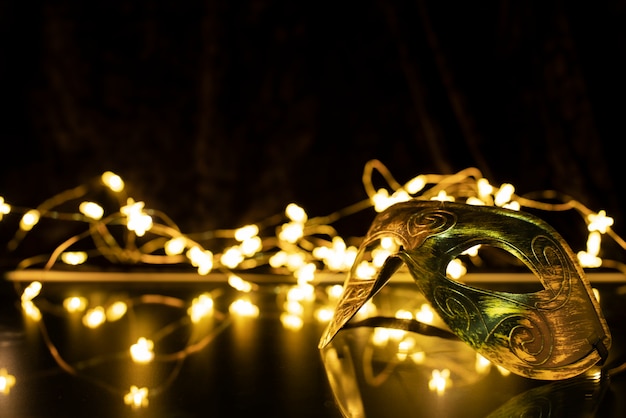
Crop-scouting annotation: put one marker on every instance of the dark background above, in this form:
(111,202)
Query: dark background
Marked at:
(221,112)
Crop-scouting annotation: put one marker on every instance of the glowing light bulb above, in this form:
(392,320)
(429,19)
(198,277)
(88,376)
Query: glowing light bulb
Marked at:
(200,308)
(7,381)
(380,337)
(425,314)
(416,184)
(504,194)
(75,304)
(365,271)
(141,351)
(116,311)
(239,283)
(113,181)
(403,314)
(305,273)
(74,258)
(246,232)
(296,213)
(31,310)
(251,246)
(439,381)
(599,222)
(175,246)
(291,232)
(5,208)
(455,269)
(231,257)
(91,210)
(442,196)
(95,317)
(381,200)
(324,314)
(31,291)
(137,397)
(405,347)
(202,259)
(29,220)
(137,220)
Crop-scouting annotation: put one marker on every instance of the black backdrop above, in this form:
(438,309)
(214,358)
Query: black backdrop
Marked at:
(222,112)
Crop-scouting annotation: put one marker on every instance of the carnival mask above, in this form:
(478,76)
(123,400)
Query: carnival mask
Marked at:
(554,333)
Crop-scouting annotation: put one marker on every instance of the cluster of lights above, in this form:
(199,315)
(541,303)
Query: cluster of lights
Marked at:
(298,247)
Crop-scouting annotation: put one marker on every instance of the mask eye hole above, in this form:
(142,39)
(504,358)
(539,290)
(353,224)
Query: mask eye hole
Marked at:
(493,268)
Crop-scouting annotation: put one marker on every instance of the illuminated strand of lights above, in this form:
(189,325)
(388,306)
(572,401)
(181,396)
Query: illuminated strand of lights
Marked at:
(301,246)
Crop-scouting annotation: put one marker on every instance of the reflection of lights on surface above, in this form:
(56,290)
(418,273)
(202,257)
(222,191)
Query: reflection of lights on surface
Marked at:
(503,371)
(31,310)
(141,351)
(596,293)
(95,317)
(137,397)
(439,381)
(405,347)
(482,365)
(243,307)
(74,258)
(7,381)
(75,304)
(200,308)
(425,314)
(291,321)
(116,311)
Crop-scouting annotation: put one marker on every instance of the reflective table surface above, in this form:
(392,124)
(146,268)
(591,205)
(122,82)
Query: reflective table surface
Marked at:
(257,355)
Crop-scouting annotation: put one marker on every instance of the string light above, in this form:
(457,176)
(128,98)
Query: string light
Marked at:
(299,247)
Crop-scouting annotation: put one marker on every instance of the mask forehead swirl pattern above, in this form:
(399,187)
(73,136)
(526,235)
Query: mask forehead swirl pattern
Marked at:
(555,333)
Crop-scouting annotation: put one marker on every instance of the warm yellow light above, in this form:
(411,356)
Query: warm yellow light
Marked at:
(599,222)
(95,317)
(31,291)
(231,257)
(141,351)
(293,307)
(200,308)
(75,304)
(91,210)
(305,273)
(503,371)
(74,258)
(334,292)
(301,292)
(425,314)
(365,271)
(113,181)
(30,219)
(474,201)
(380,337)
(202,259)
(456,269)
(5,208)
(291,321)
(239,283)
(484,188)
(116,311)
(443,197)
(403,314)
(175,246)
(246,232)
(7,381)
(137,220)
(324,314)
(279,259)
(439,381)
(291,232)
(504,194)
(137,397)
(416,184)
(31,310)
(243,307)
(296,213)
(596,293)
(251,246)
(482,365)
